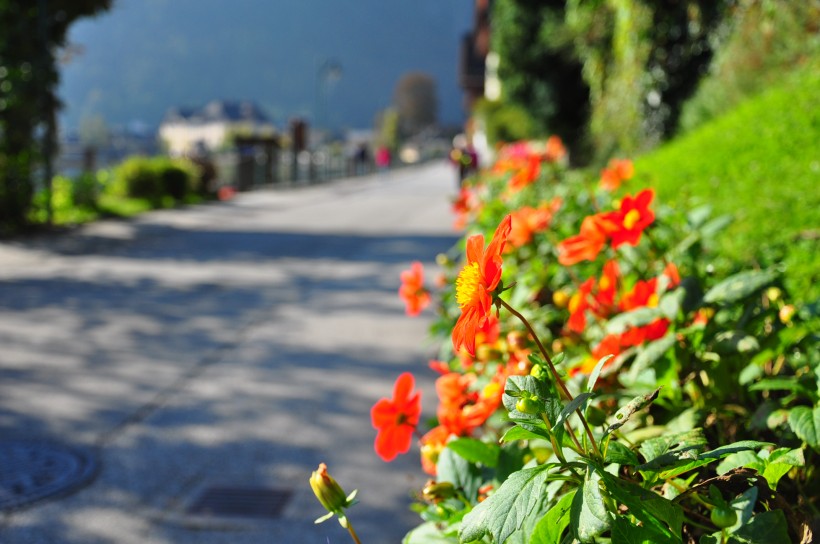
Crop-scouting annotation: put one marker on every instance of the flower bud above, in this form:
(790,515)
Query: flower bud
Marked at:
(773,294)
(329,493)
(560,299)
(438,491)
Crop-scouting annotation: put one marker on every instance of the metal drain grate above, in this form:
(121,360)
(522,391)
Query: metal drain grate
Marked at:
(247,502)
(33,469)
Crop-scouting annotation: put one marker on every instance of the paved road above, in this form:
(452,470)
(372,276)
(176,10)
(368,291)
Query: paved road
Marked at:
(235,344)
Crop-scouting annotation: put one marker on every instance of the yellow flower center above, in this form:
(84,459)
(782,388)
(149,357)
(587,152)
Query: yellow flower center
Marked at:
(653,300)
(632,217)
(467,284)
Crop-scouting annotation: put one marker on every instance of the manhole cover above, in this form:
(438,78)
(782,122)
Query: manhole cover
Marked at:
(32,470)
(249,502)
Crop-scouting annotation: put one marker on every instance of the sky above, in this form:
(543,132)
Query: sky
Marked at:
(141,58)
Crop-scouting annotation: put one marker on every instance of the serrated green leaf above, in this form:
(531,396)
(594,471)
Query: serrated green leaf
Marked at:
(504,511)
(805,423)
(619,454)
(588,514)
(475,451)
(745,506)
(623,415)
(739,286)
(551,527)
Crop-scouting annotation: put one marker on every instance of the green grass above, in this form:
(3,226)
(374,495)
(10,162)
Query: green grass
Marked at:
(760,163)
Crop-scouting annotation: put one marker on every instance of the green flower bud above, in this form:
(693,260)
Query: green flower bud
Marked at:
(329,493)
(438,491)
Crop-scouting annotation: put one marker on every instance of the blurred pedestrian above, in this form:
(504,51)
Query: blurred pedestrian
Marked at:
(464,157)
(382,158)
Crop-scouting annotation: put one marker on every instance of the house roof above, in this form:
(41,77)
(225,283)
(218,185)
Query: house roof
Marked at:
(218,110)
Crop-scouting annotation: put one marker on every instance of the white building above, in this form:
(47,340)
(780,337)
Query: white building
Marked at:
(192,131)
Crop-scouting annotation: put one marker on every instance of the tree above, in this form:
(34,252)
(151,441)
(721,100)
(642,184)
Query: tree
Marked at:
(416,102)
(31,31)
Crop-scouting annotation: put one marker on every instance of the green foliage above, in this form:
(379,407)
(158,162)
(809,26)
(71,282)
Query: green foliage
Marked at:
(28,101)
(153,179)
(758,163)
(504,122)
(762,41)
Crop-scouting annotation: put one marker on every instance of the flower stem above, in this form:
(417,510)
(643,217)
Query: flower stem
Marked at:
(353,533)
(553,371)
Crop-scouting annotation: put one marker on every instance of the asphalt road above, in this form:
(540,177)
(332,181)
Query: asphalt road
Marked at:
(230,346)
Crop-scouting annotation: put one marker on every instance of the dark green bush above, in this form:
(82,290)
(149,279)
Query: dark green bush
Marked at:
(153,179)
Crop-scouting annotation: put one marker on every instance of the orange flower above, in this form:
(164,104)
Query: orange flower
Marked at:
(476,283)
(555,150)
(578,305)
(461,409)
(432,444)
(527,174)
(631,219)
(616,172)
(412,291)
(643,293)
(527,221)
(466,203)
(396,418)
(586,245)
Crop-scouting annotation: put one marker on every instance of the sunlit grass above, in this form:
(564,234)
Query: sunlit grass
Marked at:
(760,163)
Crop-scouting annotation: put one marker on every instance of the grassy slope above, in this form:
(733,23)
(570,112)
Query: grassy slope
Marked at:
(760,163)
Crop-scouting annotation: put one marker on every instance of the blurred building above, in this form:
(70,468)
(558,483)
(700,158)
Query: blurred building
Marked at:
(475,45)
(212,127)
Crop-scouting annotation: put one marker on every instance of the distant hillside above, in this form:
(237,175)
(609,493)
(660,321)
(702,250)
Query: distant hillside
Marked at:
(145,56)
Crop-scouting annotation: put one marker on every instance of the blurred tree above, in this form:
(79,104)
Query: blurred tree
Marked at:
(386,127)
(416,103)
(539,69)
(31,30)
(612,74)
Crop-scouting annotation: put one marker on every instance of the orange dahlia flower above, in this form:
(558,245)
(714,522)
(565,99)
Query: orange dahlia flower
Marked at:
(586,245)
(412,290)
(555,150)
(476,283)
(396,418)
(616,172)
(527,221)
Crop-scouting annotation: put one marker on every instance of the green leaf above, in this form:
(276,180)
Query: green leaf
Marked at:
(429,533)
(551,527)
(588,515)
(520,433)
(623,415)
(619,454)
(504,511)
(671,302)
(739,286)
(671,449)
(475,451)
(596,372)
(623,531)
(575,404)
(708,457)
(650,353)
(781,383)
(458,471)
(747,459)
(653,510)
(764,528)
(805,422)
(729,342)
